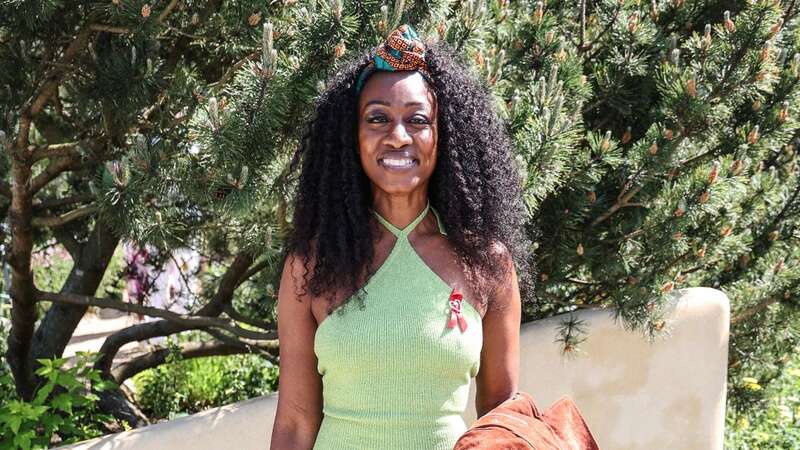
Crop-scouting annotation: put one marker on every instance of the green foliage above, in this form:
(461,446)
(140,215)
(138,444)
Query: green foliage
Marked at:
(657,142)
(50,270)
(773,419)
(63,406)
(7,388)
(186,386)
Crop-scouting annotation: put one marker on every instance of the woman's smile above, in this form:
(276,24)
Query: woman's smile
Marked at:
(398,161)
(398,164)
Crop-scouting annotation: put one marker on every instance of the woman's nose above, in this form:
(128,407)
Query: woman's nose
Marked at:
(398,136)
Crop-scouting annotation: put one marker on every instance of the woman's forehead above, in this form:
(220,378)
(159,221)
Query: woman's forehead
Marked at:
(397,89)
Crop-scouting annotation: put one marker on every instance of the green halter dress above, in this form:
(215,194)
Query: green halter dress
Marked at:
(396,373)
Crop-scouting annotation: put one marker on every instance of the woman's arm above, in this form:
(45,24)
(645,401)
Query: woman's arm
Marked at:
(299,412)
(498,376)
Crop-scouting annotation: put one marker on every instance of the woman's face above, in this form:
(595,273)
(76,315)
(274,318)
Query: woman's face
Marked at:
(397,131)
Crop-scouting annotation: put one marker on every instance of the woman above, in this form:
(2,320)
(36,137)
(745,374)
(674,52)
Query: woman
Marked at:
(400,281)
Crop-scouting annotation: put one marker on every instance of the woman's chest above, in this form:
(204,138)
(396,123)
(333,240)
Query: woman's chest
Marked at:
(398,325)
(431,258)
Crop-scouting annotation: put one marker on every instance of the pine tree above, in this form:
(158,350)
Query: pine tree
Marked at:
(657,141)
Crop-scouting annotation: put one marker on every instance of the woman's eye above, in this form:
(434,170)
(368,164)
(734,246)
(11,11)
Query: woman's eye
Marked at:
(416,119)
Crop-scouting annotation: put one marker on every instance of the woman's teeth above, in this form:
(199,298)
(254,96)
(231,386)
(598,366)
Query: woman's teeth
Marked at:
(397,162)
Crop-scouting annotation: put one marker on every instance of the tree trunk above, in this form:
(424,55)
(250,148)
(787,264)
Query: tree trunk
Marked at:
(23,300)
(116,403)
(60,321)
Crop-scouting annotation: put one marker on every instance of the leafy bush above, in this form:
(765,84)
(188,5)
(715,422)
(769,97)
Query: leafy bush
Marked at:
(7,388)
(63,406)
(773,418)
(186,386)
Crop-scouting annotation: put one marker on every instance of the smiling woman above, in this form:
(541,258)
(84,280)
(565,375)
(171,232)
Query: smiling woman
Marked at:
(397,132)
(408,205)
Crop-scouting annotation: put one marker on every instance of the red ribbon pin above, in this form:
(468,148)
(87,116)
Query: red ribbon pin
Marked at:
(455,311)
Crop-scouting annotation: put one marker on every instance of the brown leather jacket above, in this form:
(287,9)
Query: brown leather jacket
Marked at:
(517,424)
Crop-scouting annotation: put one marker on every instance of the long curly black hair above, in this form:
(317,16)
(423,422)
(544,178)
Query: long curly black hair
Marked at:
(475,185)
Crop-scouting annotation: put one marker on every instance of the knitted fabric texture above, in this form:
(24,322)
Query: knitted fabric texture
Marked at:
(394,375)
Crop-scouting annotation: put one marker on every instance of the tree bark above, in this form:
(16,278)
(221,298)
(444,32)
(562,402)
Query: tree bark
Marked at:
(23,300)
(60,321)
(116,403)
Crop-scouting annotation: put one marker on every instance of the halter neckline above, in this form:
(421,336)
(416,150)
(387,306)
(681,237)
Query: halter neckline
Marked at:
(410,227)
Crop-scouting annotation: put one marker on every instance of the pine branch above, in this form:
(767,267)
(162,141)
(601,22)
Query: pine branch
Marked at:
(264,348)
(66,149)
(122,30)
(602,33)
(721,88)
(188,350)
(185,34)
(227,286)
(239,317)
(583,26)
(217,86)
(755,309)
(167,10)
(785,209)
(109,29)
(187,320)
(254,270)
(53,170)
(619,204)
(50,87)
(789,13)
(64,201)
(43,94)
(63,219)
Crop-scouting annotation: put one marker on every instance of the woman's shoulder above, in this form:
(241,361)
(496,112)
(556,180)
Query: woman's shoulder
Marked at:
(301,264)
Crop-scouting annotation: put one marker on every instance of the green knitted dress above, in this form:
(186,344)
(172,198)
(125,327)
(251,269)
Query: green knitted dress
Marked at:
(394,374)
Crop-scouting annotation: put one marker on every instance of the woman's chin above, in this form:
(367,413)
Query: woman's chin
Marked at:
(404,186)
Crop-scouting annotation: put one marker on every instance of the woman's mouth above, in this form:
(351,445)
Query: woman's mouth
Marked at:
(398,164)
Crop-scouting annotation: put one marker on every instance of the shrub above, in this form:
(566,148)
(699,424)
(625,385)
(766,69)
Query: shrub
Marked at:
(186,386)
(64,407)
(773,418)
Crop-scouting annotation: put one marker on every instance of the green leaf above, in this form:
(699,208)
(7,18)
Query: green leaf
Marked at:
(23,440)
(105,385)
(34,412)
(63,402)
(41,396)
(52,422)
(14,423)
(68,381)
(93,375)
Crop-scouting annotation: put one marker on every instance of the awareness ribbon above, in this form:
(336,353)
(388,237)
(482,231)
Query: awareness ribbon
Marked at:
(455,311)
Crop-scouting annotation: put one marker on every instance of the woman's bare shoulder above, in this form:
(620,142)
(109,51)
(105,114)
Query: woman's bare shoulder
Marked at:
(298,269)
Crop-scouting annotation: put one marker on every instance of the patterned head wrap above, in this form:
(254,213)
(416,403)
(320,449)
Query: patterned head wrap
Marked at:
(403,50)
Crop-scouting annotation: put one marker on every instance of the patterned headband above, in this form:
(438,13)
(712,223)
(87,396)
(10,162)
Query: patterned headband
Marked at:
(403,50)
